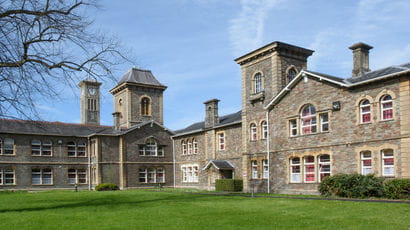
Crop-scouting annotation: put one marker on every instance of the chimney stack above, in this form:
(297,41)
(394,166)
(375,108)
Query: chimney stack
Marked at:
(360,58)
(116,116)
(211,113)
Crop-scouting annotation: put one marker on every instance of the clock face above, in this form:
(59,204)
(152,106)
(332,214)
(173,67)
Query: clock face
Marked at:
(92,91)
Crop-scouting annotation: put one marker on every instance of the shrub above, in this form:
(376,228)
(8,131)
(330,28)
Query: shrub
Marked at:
(229,185)
(106,187)
(397,189)
(352,186)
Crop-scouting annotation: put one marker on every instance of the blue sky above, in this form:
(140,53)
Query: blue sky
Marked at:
(190,45)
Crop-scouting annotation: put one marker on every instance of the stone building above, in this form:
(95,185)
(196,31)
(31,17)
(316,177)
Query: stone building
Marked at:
(135,152)
(298,126)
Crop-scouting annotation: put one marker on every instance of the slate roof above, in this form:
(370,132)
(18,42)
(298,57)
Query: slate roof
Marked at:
(379,73)
(219,164)
(52,128)
(224,120)
(140,76)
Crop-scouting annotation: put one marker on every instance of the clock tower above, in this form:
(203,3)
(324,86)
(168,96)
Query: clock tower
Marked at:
(90,101)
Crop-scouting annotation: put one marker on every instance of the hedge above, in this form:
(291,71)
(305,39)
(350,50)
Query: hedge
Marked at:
(397,189)
(229,185)
(352,186)
(106,187)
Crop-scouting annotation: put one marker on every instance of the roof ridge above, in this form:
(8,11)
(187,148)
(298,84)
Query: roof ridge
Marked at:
(56,122)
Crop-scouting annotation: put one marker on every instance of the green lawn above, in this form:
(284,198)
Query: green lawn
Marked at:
(138,209)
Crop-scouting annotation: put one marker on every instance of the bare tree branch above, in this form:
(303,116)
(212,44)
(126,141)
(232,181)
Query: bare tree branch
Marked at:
(48,41)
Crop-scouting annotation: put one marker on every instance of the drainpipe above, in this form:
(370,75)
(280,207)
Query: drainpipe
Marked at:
(173,159)
(268,149)
(89,163)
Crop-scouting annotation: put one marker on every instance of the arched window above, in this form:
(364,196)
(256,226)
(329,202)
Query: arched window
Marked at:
(386,107)
(295,170)
(35,148)
(71,149)
(258,85)
(189,142)
(8,146)
(308,119)
(145,106)
(365,112)
(291,75)
(387,162)
(366,162)
(264,130)
(81,149)
(253,132)
(195,145)
(323,166)
(183,144)
(151,147)
(46,148)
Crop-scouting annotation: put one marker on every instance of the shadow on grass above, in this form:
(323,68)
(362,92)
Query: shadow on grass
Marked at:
(104,201)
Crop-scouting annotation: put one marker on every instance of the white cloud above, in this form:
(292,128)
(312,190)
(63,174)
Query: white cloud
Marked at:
(246,31)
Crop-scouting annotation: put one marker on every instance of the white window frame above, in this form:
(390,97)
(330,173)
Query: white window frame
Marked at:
(383,102)
(384,166)
(322,169)
(293,175)
(8,148)
(42,173)
(363,106)
(265,169)
(293,126)
(151,175)
(312,120)
(364,158)
(253,132)
(79,176)
(254,169)
(35,147)
(195,145)
(195,171)
(324,122)
(264,130)
(305,171)
(5,176)
(184,150)
(189,147)
(151,149)
(221,141)
(71,148)
(258,84)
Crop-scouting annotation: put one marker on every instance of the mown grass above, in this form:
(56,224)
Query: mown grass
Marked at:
(139,209)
